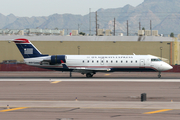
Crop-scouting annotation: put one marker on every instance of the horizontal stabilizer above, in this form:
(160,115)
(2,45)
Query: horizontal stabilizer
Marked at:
(21,40)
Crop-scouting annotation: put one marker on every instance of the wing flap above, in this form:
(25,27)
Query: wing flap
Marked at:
(91,69)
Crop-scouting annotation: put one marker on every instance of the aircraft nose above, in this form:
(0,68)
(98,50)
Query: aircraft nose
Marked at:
(168,67)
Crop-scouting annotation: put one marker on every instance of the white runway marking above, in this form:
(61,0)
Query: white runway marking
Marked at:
(93,104)
(97,80)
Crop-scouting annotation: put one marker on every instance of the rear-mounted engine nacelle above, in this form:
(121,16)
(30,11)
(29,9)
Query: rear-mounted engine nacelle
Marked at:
(57,59)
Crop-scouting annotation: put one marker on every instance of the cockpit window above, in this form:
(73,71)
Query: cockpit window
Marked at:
(156,60)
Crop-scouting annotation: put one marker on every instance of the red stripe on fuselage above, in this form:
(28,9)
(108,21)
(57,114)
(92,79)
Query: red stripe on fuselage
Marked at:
(21,40)
(125,67)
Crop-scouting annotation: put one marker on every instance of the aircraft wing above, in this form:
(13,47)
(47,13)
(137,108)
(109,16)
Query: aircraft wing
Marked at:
(92,69)
(87,70)
(83,69)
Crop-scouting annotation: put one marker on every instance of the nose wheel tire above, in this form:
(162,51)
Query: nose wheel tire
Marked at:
(159,76)
(89,75)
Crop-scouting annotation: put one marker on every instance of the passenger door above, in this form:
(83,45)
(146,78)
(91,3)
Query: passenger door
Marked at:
(142,63)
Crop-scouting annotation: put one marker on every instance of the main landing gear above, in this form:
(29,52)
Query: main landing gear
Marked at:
(90,75)
(159,75)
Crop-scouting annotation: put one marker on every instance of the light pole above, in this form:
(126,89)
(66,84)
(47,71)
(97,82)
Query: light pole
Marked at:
(79,28)
(161,52)
(169,52)
(78,49)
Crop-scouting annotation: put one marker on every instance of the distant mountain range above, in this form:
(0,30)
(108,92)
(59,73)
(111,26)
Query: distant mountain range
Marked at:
(164,14)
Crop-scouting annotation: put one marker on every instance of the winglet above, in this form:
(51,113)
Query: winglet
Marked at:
(64,65)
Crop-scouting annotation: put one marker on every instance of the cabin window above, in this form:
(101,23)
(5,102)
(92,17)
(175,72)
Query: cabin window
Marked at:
(126,61)
(106,61)
(83,61)
(136,61)
(131,61)
(88,61)
(93,61)
(111,61)
(116,61)
(121,61)
(97,61)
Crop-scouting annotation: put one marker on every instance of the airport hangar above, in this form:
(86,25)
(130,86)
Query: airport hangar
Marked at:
(166,48)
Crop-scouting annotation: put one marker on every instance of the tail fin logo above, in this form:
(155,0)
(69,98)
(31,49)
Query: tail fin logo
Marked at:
(27,49)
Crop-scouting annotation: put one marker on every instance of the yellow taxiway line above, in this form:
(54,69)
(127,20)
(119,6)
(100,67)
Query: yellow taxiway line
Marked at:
(107,74)
(56,82)
(13,109)
(158,111)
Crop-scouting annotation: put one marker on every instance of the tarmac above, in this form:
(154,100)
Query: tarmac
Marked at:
(55,96)
(108,75)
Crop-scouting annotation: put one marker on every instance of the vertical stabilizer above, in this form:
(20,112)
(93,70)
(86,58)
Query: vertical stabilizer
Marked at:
(27,49)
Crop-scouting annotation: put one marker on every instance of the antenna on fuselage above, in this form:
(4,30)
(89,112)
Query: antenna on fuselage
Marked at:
(134,54)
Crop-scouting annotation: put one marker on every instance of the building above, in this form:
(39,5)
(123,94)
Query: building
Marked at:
(148,33)
(164,47)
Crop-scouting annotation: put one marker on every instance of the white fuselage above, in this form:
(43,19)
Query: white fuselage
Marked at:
(106,63)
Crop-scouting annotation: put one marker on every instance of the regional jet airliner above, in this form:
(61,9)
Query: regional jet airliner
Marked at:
(90,64)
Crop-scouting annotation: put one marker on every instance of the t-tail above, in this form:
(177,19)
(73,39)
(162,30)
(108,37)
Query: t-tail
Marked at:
(27,49)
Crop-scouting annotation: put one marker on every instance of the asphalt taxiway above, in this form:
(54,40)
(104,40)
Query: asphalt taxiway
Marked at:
(24,95)
(65,75)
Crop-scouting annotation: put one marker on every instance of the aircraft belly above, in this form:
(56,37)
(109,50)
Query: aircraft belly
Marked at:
(133,69)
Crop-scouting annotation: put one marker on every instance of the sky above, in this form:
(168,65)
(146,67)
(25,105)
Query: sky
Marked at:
(29,8)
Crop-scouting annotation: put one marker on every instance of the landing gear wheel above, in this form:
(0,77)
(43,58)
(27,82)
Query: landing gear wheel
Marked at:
(159,76)
(89,75)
